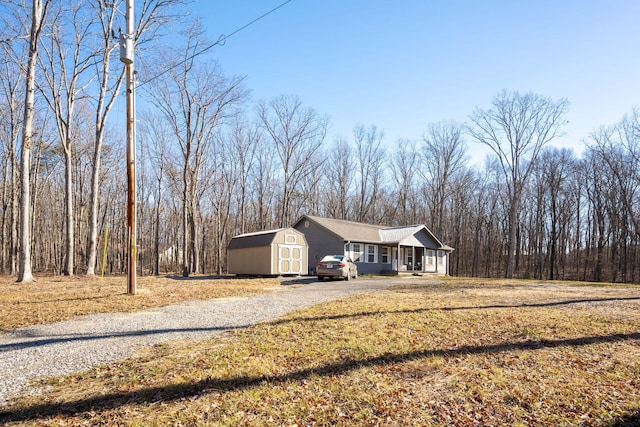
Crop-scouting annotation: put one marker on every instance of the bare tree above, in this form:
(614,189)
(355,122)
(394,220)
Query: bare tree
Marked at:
(516,128)
(444,155)
(244,139)
(11,90)
(557,167)
(38,13)
(264,184)
(195,98)
(298,133)
(65,61)
(156,137)
(404,168)
(369,160)
(339,179)
(618,147)
(108,88)
(615,150)
(152,16)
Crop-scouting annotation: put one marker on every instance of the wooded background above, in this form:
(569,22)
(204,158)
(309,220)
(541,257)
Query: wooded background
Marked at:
(213,163)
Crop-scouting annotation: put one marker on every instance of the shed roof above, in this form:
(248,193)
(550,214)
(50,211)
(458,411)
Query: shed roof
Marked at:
(252,240)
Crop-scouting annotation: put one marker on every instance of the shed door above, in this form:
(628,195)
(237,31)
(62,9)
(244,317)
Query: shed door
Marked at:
(290,259)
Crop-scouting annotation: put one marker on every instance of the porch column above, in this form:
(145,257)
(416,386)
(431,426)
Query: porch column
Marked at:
(413,258)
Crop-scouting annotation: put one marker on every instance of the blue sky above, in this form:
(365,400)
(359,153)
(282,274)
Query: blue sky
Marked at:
(404,64)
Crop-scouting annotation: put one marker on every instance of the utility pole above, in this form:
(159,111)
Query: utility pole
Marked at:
(127,44)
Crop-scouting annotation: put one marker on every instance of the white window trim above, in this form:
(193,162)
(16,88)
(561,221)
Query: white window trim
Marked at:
(367,253)
(388,255)
(430,257)
(356,256)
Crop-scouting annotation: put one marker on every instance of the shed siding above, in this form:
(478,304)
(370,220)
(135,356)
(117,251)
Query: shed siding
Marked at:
(250,261)
(289,236)
(260,254)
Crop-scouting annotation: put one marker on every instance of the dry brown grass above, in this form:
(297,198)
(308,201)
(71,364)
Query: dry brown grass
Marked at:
(501,353)
(51,299)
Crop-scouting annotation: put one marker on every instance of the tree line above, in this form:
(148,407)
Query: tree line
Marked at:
(214,163)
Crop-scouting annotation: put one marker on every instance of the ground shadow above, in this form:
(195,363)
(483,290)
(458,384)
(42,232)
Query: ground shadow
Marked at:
(80,337)
(631,420)
(196,278)
(39,342)
(87,298)
(288,281)
(187,390)
(462,308)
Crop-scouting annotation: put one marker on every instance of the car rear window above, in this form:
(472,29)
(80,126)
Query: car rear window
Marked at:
(332,258)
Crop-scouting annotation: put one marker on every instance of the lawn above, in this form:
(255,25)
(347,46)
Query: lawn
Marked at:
(463,353)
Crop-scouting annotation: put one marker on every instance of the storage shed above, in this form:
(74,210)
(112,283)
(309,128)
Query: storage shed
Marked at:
(277,252)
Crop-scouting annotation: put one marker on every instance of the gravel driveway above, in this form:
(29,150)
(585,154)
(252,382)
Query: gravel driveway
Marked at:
(77,345)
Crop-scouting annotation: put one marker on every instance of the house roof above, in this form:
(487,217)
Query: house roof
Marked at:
(352,231)
(398,234)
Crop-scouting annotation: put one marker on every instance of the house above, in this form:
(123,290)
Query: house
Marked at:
(270,253)
(376,249)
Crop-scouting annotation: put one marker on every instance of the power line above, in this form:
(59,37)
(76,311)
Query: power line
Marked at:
(220,42)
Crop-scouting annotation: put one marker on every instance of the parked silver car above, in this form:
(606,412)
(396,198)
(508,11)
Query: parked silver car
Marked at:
(336,266)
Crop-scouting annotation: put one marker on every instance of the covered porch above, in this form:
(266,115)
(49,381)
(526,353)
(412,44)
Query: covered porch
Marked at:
(418,259)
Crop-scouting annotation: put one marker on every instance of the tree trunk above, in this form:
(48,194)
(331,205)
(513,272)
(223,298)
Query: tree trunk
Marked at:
(157,230)
(24,268)
(69,214)
(92,247)
(15,211)
(185,224)
(511,241)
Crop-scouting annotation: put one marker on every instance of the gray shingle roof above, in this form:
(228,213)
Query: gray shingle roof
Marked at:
(397,234)
(350,230)
(369,233)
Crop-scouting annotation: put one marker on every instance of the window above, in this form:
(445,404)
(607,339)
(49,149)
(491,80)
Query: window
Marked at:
(441,258)
(429,257)
(384,254)
(356,252)
(372,253)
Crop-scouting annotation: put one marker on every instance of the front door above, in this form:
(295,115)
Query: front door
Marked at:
(419,259)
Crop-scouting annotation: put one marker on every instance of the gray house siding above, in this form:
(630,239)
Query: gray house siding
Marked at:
(321,242)
(364,266)
(369,267)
